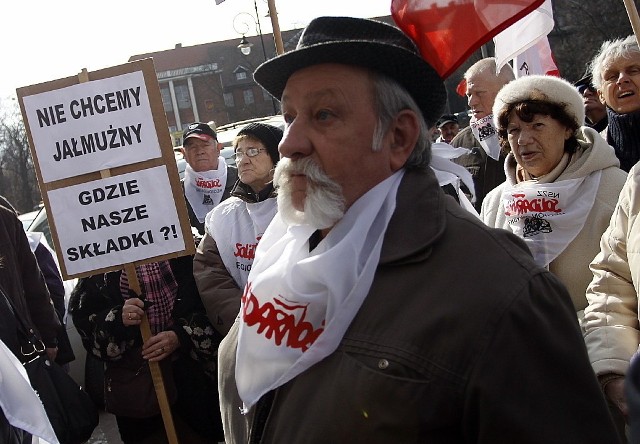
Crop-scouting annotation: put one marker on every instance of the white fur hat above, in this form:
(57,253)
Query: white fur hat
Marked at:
(545,88)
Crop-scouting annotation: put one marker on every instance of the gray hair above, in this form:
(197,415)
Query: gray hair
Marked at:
(488,65)
(391,98)
(611,49)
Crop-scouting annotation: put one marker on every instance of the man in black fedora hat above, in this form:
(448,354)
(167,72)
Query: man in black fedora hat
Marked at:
(377,310)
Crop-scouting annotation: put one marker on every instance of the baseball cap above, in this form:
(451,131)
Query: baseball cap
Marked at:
(199,130)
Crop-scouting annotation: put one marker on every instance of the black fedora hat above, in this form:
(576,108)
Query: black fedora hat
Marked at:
(361,42)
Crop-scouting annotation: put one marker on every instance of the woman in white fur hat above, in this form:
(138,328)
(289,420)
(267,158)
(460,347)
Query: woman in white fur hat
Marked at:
(563,179)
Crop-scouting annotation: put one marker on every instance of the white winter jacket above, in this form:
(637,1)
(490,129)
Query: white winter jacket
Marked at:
(611,319)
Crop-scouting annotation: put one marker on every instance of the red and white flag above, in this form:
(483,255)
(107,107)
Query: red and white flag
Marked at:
(448,32)
(525,42)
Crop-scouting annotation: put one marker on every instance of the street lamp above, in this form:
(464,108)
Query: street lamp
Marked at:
(241,24)
(245,46)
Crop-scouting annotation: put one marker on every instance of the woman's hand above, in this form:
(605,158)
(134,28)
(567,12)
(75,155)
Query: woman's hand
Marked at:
(160,346)
(132,312)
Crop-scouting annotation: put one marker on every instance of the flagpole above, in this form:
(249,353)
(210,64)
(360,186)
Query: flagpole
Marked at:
(632,12)
(275,25)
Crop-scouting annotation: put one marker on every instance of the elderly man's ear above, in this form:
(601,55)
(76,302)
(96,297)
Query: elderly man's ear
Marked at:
(403,133)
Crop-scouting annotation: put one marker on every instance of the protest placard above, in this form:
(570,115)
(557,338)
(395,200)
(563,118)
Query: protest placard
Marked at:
(106,169)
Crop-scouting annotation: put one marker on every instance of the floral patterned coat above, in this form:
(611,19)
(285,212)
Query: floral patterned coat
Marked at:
(96,308)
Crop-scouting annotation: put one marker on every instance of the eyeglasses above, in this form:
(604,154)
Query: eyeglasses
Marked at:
(583,88)
(251,152)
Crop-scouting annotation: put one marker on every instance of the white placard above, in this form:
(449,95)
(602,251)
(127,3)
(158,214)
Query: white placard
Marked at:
(117,220)
(92,126)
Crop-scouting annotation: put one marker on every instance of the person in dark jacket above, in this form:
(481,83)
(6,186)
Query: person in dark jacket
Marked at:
(484,161)
(378,310)
(53,280)
(107,317)
(27,297)
(616,75)
(208,179)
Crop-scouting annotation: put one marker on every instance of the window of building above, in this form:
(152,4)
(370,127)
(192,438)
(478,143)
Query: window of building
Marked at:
(241,75)
(248,96)
(166,99)
(228,100)
(182,96)
(266,96)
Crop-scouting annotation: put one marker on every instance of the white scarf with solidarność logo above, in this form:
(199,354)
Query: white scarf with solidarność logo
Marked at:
(237,227)
(204,189)
(298,304)
(549,216)
(485,133)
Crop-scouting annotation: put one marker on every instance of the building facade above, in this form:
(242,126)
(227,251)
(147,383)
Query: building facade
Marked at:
(214,81)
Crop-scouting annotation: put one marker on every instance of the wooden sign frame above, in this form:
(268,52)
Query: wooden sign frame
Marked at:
(167,157)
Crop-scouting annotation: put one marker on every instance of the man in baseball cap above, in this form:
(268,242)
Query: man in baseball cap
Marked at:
(377,310)
(448,126)
(208,179)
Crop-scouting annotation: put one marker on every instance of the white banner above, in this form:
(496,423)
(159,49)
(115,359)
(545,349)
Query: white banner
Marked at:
(92,126)
(523,34)
(117,220)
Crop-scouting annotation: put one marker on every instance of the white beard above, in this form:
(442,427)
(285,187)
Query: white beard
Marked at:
(324,203)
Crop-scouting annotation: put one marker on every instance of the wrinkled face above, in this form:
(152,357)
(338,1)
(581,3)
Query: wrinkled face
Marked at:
(538,145)
(201,155)
(256,171)
(449,130)
(482,90)
(330,116)
(621,84)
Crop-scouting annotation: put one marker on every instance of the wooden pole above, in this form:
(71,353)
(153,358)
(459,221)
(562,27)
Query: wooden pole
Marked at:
(632,12)
(275,25)
(154,367)
(145,329)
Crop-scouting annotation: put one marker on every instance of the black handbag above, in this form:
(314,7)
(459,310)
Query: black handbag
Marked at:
(72,413)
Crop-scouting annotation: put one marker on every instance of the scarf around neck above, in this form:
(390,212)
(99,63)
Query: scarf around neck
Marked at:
(485,133)
(297,303)
(624,135)
(237,227)
(159,286)
(549,216)
(204,189)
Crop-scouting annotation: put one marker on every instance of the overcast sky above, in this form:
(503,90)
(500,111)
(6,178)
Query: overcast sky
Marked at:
(48,40)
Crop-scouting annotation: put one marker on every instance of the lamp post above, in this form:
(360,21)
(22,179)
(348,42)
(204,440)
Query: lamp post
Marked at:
(241,24)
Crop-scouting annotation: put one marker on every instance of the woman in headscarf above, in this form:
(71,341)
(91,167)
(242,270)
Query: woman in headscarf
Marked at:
(562,180)
(234,228)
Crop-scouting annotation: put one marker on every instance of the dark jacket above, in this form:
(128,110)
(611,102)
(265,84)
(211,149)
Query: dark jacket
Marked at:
(232,177)
(461,339)
(22,280)
(487,173)
(96,307)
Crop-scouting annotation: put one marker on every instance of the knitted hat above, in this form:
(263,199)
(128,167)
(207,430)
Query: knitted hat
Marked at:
(269,135)
(365,43)
(543,88)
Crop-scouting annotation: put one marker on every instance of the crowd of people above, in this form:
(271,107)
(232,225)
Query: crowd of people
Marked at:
(339,293)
